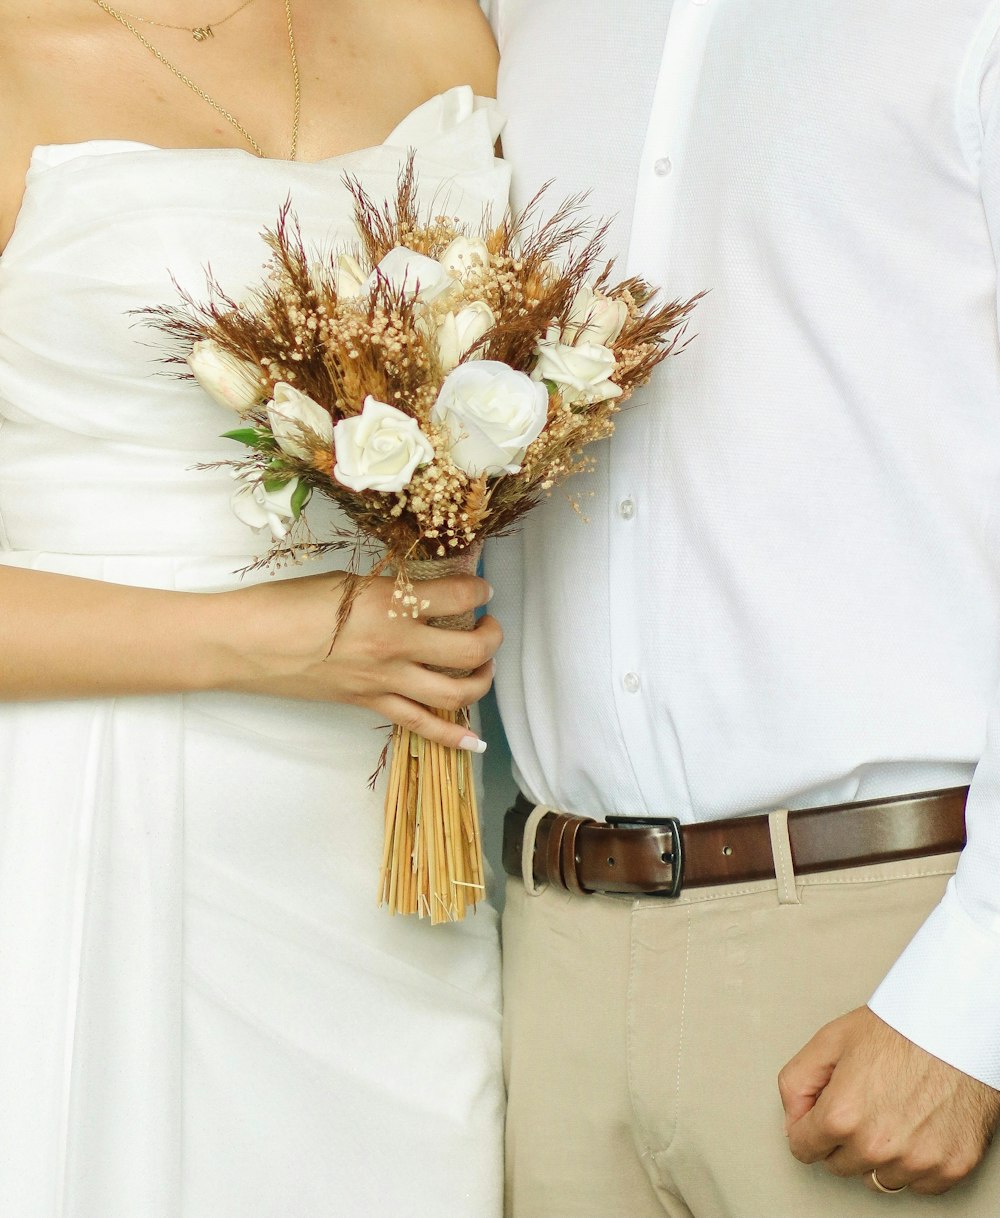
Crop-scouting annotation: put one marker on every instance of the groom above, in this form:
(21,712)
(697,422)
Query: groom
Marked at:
(776,631)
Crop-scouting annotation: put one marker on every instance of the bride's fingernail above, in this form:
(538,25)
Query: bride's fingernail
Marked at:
(472,744)
(489,594)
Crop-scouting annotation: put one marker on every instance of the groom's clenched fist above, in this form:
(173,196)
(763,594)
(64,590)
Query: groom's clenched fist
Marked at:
(861,1098)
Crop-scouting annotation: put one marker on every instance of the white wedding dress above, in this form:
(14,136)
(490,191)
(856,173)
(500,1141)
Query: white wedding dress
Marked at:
(203,1014)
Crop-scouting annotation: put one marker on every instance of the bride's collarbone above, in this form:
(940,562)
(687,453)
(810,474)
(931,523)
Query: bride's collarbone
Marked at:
(361,69)
(358,78)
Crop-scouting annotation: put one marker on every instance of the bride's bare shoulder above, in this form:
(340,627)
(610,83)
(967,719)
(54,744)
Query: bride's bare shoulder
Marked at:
(455,36)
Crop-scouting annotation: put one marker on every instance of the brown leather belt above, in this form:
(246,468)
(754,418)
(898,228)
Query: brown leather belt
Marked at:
(659,855)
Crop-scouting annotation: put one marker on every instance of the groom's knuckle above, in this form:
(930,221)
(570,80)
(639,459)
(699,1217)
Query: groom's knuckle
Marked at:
(801,1150)
(785,1088)
(872,1148)
(959,1165)
(919,1161)
(930,1186)
(840,1169)
(841,1118)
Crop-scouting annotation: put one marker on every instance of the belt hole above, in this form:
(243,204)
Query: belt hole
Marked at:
(611,862)
(665,858)
(727,851)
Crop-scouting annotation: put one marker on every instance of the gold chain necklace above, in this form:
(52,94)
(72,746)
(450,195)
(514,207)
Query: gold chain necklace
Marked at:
(297,107)
(199,32)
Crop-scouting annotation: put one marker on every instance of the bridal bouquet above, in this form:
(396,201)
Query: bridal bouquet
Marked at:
(434,382)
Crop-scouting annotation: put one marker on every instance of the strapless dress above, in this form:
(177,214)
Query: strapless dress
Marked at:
(203,1013)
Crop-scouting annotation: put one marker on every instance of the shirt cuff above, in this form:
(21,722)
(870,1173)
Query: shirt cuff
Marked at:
(943,993)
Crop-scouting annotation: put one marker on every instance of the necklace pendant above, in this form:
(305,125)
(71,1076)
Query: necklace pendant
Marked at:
(202,32)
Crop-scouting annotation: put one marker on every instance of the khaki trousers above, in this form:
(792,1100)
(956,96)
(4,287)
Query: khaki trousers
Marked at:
(643,1039)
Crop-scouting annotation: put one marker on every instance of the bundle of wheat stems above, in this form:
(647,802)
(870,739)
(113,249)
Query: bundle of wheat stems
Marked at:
(432,862)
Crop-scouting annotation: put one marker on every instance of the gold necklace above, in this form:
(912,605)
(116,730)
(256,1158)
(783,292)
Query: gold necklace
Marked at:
(199,32)
(297,106)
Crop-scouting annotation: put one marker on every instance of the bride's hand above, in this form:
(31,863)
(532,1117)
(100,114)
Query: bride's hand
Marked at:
(280,635)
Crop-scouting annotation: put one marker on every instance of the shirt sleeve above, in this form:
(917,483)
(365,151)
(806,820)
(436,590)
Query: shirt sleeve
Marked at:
(944,991)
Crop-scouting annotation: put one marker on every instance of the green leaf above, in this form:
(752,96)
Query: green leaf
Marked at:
(243,435)
(300,497)
(275,484)
(253,437)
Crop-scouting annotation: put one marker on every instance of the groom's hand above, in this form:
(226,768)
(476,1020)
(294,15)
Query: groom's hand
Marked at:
(859,1096)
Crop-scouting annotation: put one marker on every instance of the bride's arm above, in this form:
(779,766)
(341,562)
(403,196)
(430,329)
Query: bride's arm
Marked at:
(65,637)
(15,117)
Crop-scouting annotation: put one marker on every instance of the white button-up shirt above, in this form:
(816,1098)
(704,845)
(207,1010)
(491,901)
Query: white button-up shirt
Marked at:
(786,590)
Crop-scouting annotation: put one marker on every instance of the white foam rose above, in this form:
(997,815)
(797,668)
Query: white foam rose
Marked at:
(231,381)
(380,449)
(411,274)
(581,373)
(465,255)
(594,318)
(259,508)
(459,332)
(493,413)
(296,420)
(348,276)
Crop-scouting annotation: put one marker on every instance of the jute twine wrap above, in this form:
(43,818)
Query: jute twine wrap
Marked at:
(432,863)
(437,568)
(418,569)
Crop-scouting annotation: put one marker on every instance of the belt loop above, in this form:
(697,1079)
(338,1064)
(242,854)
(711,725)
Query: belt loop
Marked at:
(535,817)
(781,852)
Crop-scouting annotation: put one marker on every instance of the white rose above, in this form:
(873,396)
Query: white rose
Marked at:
(465,255)
(231,381)
(459,332)
(258,507)
(493,414)
(411,274)
(379,449)
(594,318)
(348,276)
(296,419)
(581,373)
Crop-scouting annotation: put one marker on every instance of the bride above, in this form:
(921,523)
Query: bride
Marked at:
(202,1012)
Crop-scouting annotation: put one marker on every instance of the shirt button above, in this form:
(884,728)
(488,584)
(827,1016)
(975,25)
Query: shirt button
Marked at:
(631,682)
(662,167)
(626,509)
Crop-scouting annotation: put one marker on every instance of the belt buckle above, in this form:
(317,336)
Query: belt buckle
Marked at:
(673,826)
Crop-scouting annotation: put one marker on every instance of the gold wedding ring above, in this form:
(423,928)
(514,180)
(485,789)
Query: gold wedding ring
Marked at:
(882,1188)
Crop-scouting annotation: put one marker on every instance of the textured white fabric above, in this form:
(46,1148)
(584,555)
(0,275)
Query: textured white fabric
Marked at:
(203,1014)
(788,588)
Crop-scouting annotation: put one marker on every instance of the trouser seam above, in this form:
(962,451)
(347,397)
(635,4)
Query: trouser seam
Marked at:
(645,1148)
(645,1141)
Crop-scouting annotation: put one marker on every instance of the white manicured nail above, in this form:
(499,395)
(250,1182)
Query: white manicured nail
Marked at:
(472,744)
